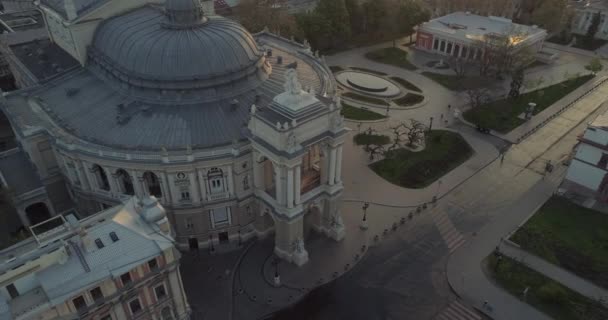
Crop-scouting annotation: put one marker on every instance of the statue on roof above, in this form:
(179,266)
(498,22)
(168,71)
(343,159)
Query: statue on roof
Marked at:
(292,84)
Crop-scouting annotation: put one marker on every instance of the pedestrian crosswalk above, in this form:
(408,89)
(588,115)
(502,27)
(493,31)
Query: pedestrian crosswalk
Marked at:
(452,237)
(457,311)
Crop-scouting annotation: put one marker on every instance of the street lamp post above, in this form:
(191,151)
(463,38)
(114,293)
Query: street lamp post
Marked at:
(364,224)
(277,277)
(211,242)
(431,124)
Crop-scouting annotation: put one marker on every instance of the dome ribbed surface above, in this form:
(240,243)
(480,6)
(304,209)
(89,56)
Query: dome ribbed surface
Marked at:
(141,49)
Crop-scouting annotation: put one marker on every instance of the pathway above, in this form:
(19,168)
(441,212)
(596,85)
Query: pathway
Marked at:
(457,311)
(554,272)
(464,271)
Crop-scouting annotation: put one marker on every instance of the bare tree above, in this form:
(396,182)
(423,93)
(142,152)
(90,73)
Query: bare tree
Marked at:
(459,66)
(415,132)
(374,151)
(399,136)
(502,53)
(478,96)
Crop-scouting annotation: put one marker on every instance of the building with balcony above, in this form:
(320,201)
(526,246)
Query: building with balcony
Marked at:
(120,263)
(237,135)
(463,35)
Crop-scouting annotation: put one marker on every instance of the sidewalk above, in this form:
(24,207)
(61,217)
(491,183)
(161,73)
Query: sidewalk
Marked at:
(554,272)
(464,269)
(578,103)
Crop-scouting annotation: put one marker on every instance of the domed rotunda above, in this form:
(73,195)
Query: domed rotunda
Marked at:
(236,134)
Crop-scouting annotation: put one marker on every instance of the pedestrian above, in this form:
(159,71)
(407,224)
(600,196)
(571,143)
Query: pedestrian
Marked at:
(485,303)
(446,122)
(449,107)
(502,158)
(442,116)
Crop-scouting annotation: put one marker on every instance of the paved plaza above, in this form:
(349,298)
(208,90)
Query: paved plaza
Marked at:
(410,263)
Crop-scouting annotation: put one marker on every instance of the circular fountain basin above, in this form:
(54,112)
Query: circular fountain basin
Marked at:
(368,84)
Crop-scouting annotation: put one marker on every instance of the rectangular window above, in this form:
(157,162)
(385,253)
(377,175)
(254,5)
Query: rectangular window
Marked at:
(189,224)
(153,264)
(135,306)
(449,48)
(97,294)
(125,279)
(185,195)
(442,46)
(435,44)
(160,292)
(80,304)
(216,185)
(220,217)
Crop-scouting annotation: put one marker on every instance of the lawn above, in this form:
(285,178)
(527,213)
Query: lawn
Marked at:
(354,113)
(502,115)
(445,150)
(457,83)
(568,235)
(362,98)
(392,56)
(363,139)
(545,294)
(406,84)
(409,99)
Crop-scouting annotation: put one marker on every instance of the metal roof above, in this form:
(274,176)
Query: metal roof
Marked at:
(88,108)
(20,175)
(170,50)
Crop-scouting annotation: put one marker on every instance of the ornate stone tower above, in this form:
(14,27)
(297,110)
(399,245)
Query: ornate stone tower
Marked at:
(297,141)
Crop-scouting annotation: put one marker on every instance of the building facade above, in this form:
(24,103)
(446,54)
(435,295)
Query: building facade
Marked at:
(117,264)
(584,13)
(461,35)
(237,135)
(587,175)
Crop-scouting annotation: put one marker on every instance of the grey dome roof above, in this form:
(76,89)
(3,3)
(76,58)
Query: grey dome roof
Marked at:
(147,48)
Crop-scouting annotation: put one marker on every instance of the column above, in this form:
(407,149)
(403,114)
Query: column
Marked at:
(332,166)
(202,183)
(298,184)
(165,188)
(145,191)
(137,184)
(339,165)
(88,171)
(111,180)
(230,182)
(194,193)
(277,183)
(290,188)
(258,174)
(117,184)
(84,183)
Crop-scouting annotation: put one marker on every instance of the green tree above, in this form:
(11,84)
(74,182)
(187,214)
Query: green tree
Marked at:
(593,27)
(255,15)
(316,29)
(410,14)
(334,11)
(595,66)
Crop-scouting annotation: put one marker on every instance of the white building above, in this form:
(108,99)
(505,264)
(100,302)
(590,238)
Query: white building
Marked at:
(584,13)
(118,264)
(236,134)
(588,172)
(460,34)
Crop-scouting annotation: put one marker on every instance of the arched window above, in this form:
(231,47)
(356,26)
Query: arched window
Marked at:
(166,314)
(100,176)
(125,181)
(216,180)
(153,184)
